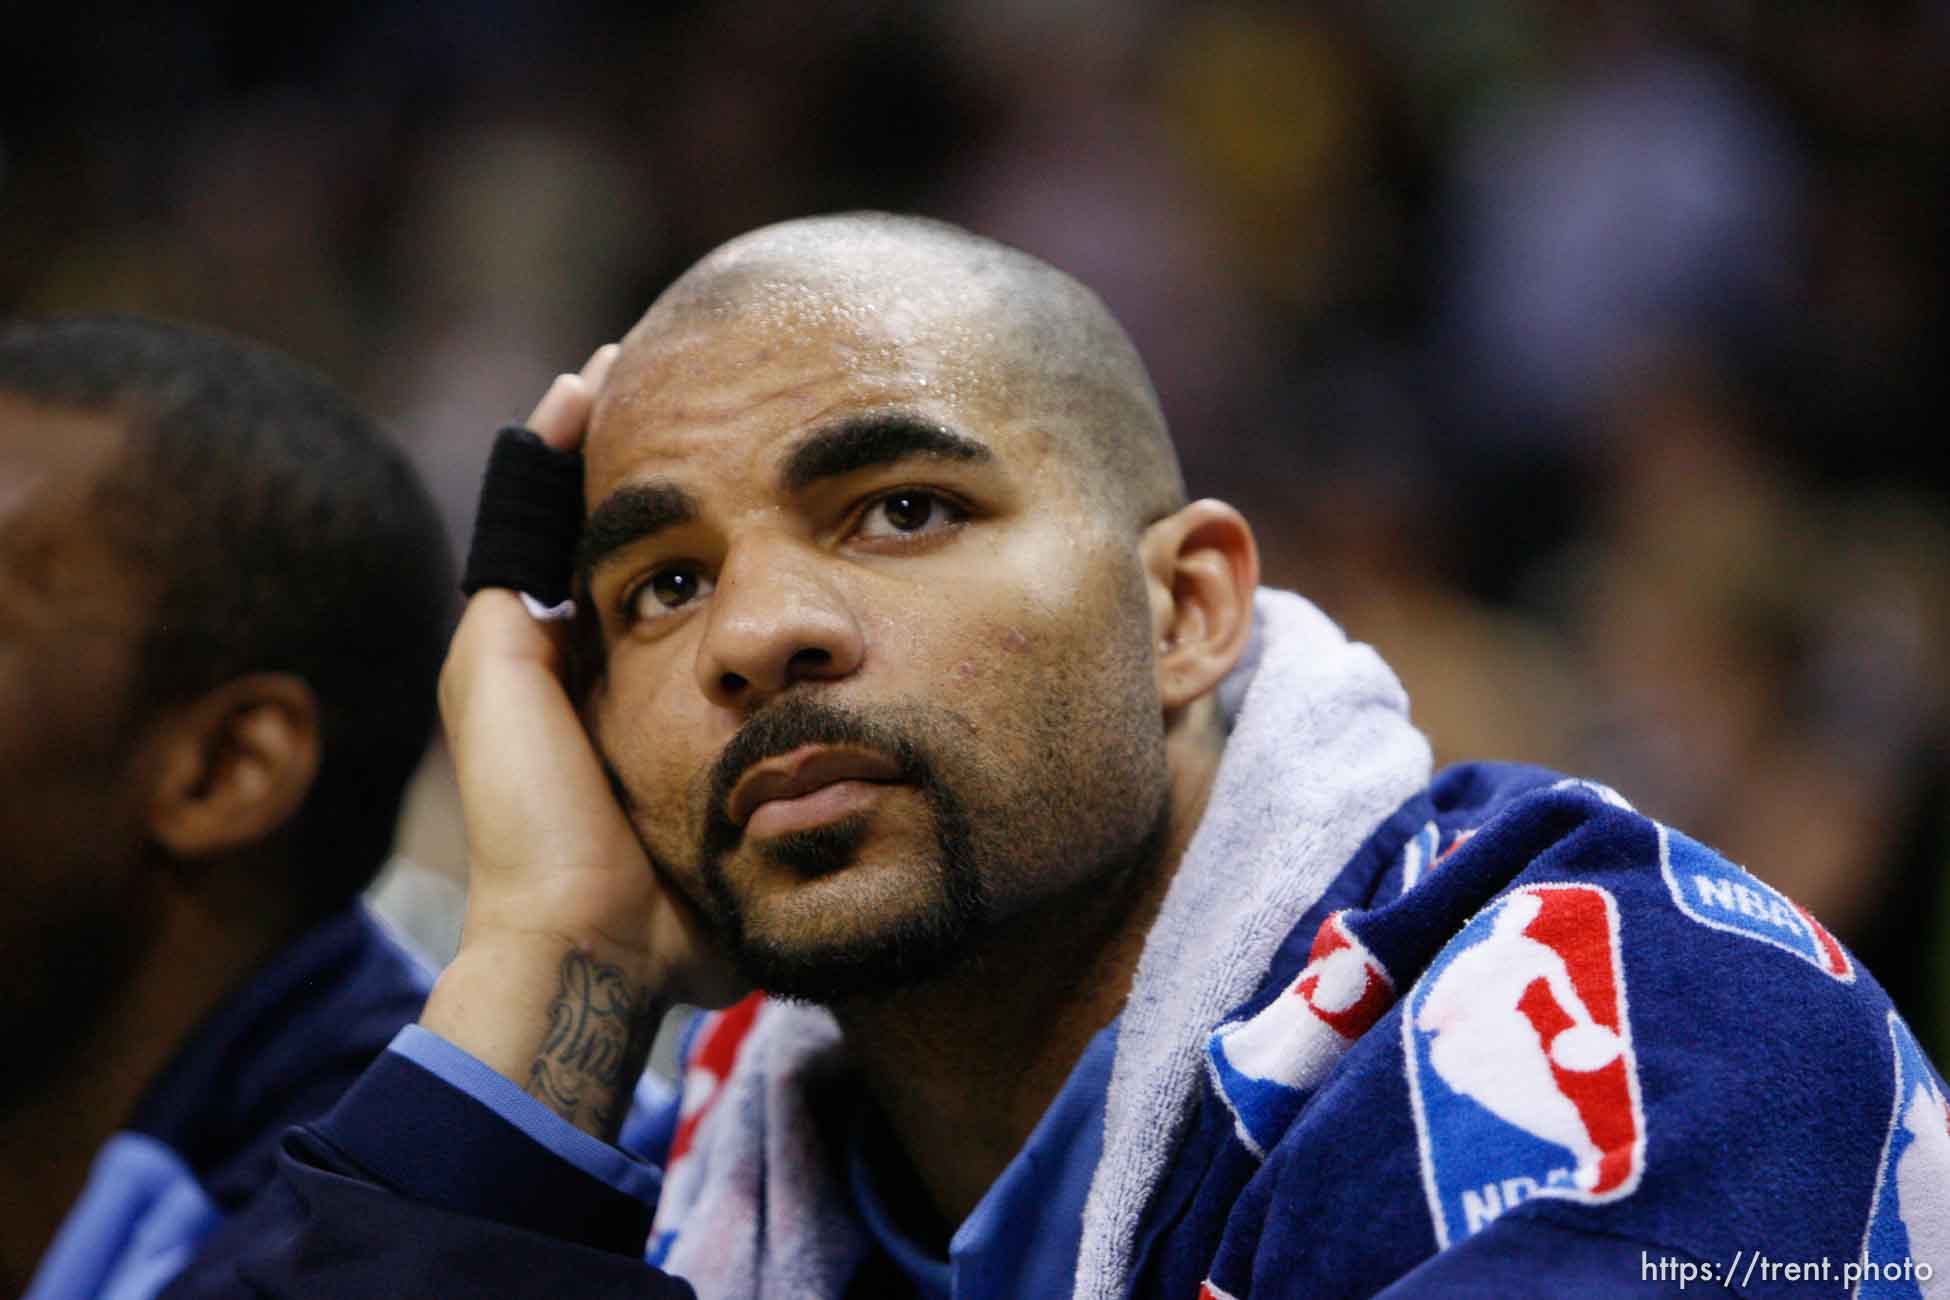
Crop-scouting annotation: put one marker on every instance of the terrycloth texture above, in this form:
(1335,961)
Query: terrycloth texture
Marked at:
(1320,752)
(1583,1055)
(759,1193)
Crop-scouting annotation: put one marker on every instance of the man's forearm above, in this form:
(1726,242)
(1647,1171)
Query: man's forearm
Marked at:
(599,1033)
(568,1025)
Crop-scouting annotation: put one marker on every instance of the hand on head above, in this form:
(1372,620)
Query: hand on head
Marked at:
(557,876)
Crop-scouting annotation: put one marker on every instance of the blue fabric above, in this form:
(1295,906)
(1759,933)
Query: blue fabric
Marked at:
(332,1232)
(932,1276)
(416,1131)
(496,1091)
(1026,1228)
(1575,1055)
(135,1225)
(280,1049)
(200,1147)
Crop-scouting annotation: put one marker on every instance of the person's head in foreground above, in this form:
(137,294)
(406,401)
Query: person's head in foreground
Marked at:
(223,601)
(909,632)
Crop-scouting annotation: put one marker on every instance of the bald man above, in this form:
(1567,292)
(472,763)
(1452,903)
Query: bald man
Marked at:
(1074,905)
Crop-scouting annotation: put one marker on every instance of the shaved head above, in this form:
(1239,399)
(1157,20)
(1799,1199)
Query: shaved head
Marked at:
(1015,332)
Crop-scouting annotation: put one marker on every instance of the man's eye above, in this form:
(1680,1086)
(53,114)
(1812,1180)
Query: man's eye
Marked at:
(667,590)
(908,512)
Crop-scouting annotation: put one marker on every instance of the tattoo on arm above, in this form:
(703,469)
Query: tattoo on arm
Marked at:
(599,1033)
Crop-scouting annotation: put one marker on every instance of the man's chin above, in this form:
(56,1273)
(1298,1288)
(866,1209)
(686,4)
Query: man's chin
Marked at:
(816,851)
(856,929)
(902,956)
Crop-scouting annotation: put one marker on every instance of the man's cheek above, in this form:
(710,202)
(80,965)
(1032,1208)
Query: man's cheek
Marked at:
(630,755)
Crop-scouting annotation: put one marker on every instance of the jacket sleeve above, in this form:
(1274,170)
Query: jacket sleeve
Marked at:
(431,1178)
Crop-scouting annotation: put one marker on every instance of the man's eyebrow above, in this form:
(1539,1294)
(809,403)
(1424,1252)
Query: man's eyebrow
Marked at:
(628,515)
(863,442)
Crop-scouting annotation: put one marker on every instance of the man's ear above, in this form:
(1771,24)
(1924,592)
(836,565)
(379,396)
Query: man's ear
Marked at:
(1203,567)
(234,765)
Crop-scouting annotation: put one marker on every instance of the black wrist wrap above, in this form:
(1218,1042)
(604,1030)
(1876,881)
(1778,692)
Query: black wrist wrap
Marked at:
(530,514)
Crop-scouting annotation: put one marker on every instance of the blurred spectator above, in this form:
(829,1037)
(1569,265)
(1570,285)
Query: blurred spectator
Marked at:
(1653,199)
(1078,169)
(514,237)
(224,599)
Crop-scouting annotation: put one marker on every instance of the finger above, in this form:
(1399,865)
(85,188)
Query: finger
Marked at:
(559,417)
(595,372)
(494,626)
(533,791)
(563,413)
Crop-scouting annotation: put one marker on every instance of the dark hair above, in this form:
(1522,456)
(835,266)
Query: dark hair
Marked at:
(284,533)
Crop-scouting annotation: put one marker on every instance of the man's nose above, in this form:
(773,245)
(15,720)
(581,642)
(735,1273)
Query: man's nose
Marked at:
(775,620)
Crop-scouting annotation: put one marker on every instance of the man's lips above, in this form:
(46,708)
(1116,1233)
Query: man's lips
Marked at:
(804,772)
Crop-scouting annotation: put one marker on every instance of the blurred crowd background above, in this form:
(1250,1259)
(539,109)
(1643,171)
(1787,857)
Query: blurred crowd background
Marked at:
(1587,358)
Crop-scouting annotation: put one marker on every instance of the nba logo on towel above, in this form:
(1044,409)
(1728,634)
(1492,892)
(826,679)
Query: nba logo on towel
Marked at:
(1520,1063)
(1909,1220)
(1717,894)
(1265,1067)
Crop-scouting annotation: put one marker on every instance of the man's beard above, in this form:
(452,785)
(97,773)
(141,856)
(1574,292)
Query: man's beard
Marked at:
(912,946)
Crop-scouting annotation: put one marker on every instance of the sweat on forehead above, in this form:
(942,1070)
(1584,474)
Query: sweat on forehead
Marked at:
(1024,337)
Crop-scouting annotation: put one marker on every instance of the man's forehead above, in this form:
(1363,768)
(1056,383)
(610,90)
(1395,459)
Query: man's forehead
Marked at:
(759,378)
